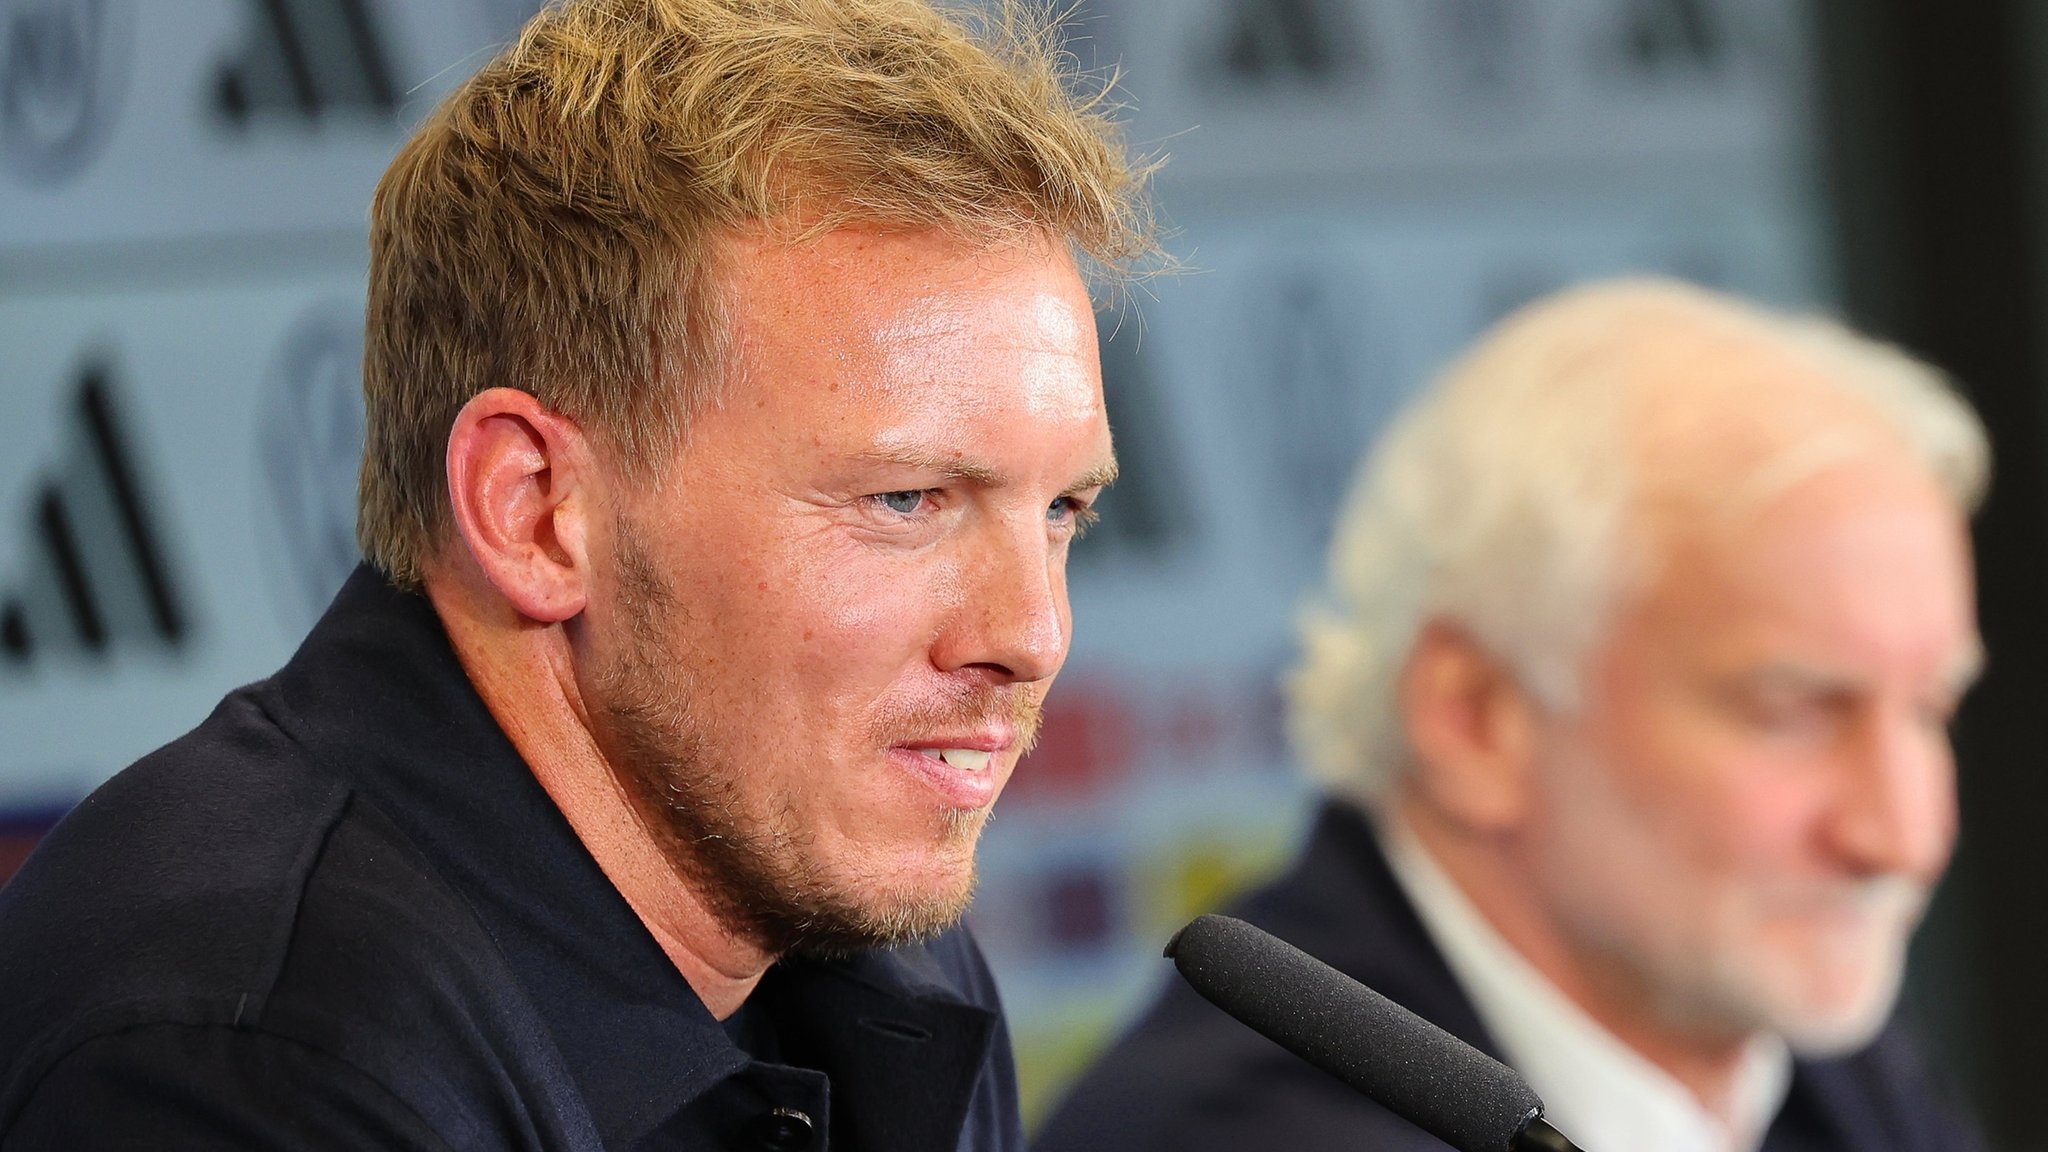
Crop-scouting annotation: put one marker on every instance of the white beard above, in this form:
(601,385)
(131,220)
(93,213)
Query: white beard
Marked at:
(1818,963)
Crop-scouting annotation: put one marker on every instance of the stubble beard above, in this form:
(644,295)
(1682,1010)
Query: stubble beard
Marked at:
(748,858)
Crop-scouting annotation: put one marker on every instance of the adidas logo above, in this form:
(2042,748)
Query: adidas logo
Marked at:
(1657,37)
(1144,515)
(307,59)
(62,71)
(1315,42)
(95,576)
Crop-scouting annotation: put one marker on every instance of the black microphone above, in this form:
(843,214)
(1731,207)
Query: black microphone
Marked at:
(1417,1070)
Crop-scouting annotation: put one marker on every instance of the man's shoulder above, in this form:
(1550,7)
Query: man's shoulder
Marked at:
(228,880)
(1884,1095)
(175,879)
(1188,1077)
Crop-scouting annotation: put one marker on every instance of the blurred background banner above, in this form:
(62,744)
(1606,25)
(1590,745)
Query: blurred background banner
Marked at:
(1358,187)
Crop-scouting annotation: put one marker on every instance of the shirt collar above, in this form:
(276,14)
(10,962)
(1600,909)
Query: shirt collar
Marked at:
(376,692)
(1599,1091)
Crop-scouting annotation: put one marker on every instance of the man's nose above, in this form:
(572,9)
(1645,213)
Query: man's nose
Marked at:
(1011,622)
(1895,812)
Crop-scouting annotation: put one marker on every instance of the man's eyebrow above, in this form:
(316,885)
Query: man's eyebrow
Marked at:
(1100,476)
(1783,675)
(1957,677)
(952,467)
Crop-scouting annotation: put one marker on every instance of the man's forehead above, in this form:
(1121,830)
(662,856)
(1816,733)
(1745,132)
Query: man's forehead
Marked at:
(940,311)
(879,310)
(859,259)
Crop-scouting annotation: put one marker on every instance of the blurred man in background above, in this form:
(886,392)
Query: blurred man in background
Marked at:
(733,399)
(1632,696)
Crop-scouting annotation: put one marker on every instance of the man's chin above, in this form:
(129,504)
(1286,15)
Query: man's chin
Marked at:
(1818,1008)
(1845,1021)
(906,911)
(931,891)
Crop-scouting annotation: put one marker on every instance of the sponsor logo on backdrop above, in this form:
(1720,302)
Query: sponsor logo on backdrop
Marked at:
(1314,389)
(310,445)
(1145,515)
(1485,60)
(1663,39)
(92,573)
(63,65)
(307,61)
(1261,44)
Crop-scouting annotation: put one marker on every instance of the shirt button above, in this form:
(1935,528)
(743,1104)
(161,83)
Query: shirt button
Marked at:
(781,1130)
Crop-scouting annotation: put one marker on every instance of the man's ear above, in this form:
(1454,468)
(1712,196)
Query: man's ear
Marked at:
(521,478)
(1472,729)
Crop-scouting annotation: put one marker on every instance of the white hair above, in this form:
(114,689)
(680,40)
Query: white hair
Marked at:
(1501,499)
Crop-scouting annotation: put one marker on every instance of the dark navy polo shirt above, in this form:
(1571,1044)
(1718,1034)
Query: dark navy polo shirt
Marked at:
(343,914)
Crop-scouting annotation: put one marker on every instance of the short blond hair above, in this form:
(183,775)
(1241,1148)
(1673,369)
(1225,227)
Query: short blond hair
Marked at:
(554,225)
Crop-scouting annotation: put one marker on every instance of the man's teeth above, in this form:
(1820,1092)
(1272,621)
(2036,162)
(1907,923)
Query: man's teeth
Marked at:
(965,759)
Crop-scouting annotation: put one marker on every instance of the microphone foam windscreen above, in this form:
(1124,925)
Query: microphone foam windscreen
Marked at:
(1447,1087)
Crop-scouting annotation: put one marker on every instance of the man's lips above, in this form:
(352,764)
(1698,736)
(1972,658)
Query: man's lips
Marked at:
(960,767)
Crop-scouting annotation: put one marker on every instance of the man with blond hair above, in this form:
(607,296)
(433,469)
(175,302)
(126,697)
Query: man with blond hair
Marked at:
(733,400)
(1631,692)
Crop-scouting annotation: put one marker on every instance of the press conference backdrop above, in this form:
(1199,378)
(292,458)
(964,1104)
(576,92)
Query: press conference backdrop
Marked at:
(1358,186)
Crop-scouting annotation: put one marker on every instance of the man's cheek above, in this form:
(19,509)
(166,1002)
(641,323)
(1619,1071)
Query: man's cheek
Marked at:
(1767,823)
(869,627)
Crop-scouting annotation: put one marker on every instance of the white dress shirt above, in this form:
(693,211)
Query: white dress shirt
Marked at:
(1595,1089)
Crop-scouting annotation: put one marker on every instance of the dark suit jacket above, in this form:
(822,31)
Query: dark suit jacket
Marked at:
(343,914)
(1188,1078)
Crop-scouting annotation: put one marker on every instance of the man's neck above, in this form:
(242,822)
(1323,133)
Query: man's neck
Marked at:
(526,677)
(1610,993)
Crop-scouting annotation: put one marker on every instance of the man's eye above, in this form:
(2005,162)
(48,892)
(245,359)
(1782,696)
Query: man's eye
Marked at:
(1795,717)
(1070,510)
(903,503)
